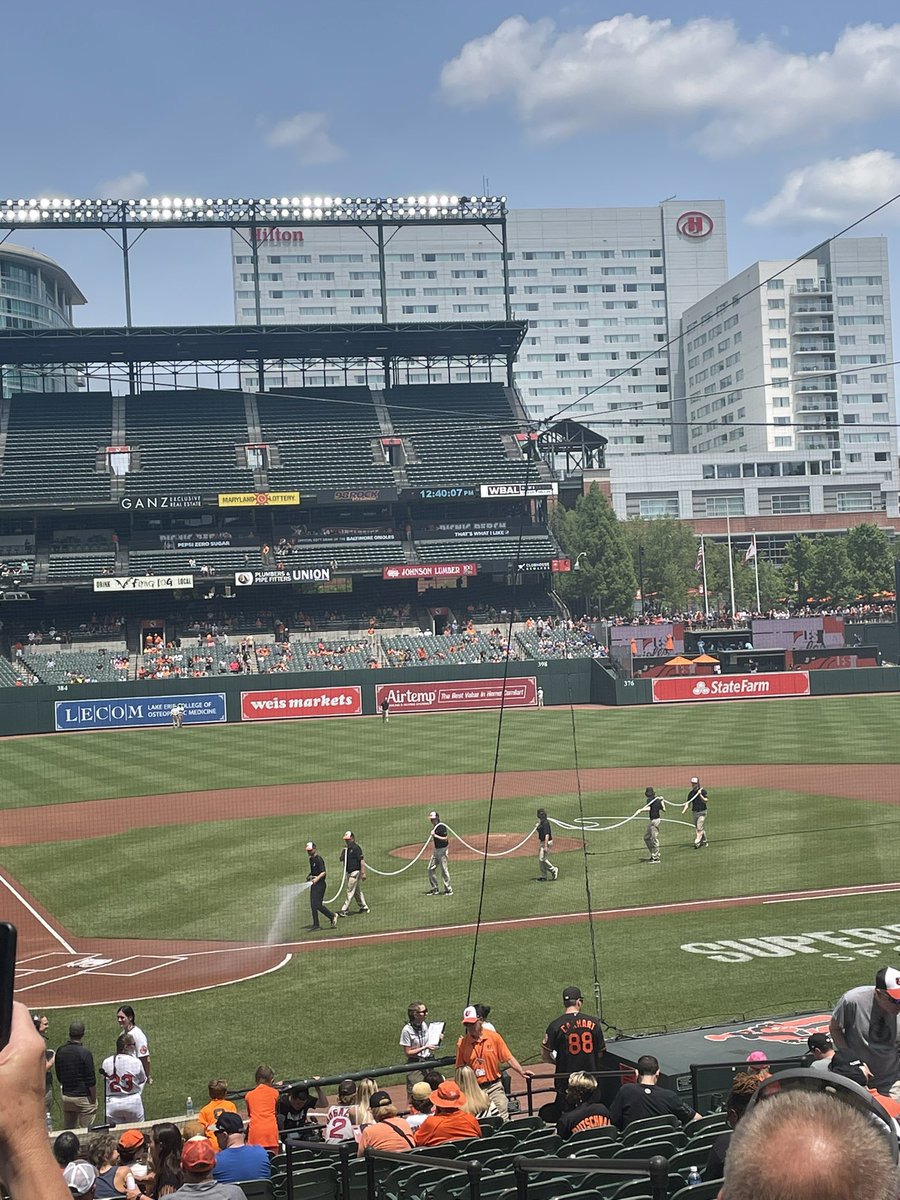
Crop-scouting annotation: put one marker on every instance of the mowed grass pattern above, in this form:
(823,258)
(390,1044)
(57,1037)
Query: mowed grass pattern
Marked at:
(219,874)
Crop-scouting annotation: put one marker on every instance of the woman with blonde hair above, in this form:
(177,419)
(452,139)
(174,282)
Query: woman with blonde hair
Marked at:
(478,1102)
(360,1112)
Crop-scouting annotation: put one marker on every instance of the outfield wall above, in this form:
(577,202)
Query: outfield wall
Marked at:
(224,699)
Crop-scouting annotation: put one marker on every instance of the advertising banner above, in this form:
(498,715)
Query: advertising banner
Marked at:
(294,575)
(283,704)
(361,495)
(188,500)
(131,712)
(142,583)
(501,491)
(257,499)
(449,696)
(730,687)
(428,570)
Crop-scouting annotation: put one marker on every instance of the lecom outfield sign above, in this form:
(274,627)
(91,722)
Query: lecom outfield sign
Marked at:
(450,695)
(284,704)
(730,687)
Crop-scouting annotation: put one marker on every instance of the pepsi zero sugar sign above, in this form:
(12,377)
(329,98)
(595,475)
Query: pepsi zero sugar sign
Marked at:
(131,712)
(730,687)
(451,695)
(284,704)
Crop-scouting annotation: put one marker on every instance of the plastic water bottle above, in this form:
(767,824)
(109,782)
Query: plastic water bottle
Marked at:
(189,1107)
(130,1185)
(693,1179)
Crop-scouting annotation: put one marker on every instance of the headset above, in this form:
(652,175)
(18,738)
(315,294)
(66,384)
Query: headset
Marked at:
(805,1079)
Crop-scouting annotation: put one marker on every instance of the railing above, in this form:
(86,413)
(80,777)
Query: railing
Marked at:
(470,1167)
(656,1168)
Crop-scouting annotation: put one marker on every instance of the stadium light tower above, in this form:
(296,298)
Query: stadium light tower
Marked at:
(249,217)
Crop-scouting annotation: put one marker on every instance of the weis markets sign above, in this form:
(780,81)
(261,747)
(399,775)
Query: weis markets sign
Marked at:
(429,570)
(730,687)
(142,583)
(128,712)
(843,945)
(452,695)
(286,704)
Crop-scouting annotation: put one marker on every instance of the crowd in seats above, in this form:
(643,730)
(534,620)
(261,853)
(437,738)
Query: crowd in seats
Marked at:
(319,655)
(465,645)
(557,637)
(75,666)
(17,568)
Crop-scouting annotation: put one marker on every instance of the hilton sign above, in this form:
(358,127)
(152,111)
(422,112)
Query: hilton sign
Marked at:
(278,235)
(694,224)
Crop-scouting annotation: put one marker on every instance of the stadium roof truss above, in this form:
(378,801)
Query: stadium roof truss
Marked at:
(150,357)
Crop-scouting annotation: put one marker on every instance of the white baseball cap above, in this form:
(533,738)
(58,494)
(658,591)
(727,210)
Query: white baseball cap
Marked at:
(310,845)
(80,1177)
(888,979)
(348,836)
(694,779)
(469,1015)
(432,816)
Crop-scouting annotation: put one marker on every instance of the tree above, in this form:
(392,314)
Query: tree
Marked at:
(871,559)
(664,553)
(829,574)
(591,534)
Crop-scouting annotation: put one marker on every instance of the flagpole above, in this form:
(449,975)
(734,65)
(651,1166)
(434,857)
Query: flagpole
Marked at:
(756,572)
(730,566)
(705,585)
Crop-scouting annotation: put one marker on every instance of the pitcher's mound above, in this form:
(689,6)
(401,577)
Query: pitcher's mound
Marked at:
(497,843)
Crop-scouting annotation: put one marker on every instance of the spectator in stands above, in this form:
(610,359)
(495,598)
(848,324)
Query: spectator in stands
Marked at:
(236,1161)
(743,1089)
(130,1149)
(420,1105)
(294,1108)
(360,1113)
(866,1021)
(66,1148)
(758,1064)
(77,1079)
(262,1105)
(581,1109)
(846,1066)
(101,1151)
(806,1146)
(218,1103)
(165,1159)
(198,1162)
(485,1051)
(450,1121)
(821,1049)
(388,1131)
(81,1180)
(645,1098)
(339,1120)
(478,1102)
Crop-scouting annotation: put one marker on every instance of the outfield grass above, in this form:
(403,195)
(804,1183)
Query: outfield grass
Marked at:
(53,769)
(220,873)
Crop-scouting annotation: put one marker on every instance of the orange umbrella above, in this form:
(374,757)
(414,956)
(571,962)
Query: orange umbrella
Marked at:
(678,661)
(705,658)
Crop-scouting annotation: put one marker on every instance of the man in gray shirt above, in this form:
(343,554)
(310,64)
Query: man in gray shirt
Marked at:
(865,1022)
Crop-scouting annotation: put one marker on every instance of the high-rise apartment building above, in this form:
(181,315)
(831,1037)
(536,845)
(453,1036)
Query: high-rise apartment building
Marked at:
(603,291)
(35,293)
(795,358)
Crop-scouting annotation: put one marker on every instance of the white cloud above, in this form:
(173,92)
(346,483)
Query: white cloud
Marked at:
(129,186)
(834,190)
(730,94)
(307,134)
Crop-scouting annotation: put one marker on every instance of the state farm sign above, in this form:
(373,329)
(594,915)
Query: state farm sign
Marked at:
(730,687)
(284,704)
(455,694)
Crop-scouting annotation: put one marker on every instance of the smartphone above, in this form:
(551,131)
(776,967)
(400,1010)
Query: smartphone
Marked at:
(7,978)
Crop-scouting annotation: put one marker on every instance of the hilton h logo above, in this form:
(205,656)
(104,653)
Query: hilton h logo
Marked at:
(694,224)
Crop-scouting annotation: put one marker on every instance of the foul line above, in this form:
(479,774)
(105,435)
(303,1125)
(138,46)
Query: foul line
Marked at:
(873,891)
(37,916)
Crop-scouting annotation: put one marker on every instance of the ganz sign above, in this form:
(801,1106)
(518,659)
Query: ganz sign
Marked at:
(730,687)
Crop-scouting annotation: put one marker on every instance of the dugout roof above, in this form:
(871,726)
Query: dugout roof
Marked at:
(148,344)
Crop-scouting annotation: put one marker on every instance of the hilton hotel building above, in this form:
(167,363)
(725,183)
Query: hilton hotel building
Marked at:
(601,288)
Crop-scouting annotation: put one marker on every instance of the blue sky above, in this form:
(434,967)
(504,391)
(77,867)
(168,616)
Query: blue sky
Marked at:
(779,109)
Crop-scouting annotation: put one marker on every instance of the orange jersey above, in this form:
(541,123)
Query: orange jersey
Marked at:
(484,1055)
(447,1127)
(261,1103)
(208,1114)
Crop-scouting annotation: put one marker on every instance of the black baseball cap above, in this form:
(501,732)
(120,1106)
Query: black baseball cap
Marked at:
(379,1099)
(229,1122)
(819,1041)
(571,994)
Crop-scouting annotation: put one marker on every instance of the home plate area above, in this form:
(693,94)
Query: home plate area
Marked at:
(104,971)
